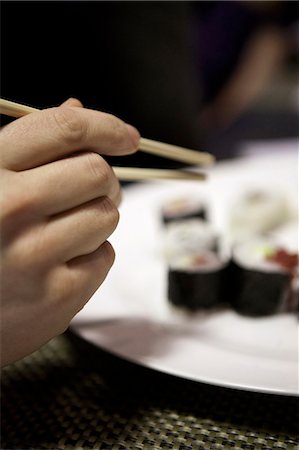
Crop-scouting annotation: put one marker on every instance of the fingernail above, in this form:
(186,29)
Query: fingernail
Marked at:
(134,135)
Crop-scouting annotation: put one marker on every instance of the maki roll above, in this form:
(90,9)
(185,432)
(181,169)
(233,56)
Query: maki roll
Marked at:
(257,212)
(196,281)
(189,236)
(261,278)
(182,209)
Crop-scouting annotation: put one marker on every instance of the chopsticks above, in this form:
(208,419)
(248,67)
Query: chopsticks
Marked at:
(140,173)
(174,152)
(185,155)
(13,109)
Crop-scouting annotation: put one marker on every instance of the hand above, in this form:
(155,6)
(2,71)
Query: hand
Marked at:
(59,203)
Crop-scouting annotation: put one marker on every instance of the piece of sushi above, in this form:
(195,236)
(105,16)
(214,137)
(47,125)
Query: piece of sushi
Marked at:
(188,237)
(197,281)
(261,277)
(257,212)
(182,209)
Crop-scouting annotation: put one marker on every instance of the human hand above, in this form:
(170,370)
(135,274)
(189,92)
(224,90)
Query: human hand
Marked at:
(59,203)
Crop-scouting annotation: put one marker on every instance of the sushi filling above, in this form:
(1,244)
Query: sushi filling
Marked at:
(205,261)
(286,260)
(266,257)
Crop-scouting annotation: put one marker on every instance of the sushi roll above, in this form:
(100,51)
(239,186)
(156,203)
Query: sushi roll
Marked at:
(189,236)
(197,281)
(182,209)
(257,212)
(261,278)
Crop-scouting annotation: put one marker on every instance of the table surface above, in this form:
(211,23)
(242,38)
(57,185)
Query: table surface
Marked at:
(71,395)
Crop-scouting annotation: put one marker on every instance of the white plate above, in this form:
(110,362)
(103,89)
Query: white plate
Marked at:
(129,315)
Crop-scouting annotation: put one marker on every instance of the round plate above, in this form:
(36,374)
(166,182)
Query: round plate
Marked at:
(130,317)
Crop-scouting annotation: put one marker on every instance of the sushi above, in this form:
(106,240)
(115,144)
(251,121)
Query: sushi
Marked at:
(261,277)
(182,209)
(187,237)
(197,281)
(257,212)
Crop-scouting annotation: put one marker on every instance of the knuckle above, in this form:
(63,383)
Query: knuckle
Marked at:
(111,212)
(71,127)
(100,171)
(118,129)
(17,204)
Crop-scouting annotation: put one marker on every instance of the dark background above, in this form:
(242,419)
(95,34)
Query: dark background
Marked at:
(132,59)
(156,65)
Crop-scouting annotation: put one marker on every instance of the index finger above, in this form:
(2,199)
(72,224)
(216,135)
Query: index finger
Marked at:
(51,134)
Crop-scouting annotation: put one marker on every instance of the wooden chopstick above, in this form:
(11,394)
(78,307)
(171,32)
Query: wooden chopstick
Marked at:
(175,152)
(13,109)
(17,110)
(140,173)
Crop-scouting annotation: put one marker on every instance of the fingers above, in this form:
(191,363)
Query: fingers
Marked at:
(88,272)
(80,231)
(51,134)
(70,182)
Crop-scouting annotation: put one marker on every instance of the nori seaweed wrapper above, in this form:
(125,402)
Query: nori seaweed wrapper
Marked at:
(257,293)
(196,290)
(200,213)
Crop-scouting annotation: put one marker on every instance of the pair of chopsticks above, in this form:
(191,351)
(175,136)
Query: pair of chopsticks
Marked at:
(185,155)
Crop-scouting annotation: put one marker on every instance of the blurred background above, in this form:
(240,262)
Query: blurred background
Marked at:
(203,74)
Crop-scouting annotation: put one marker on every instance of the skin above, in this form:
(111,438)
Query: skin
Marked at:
(59,202)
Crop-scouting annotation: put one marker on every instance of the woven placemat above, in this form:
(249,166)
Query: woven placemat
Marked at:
(69,395)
